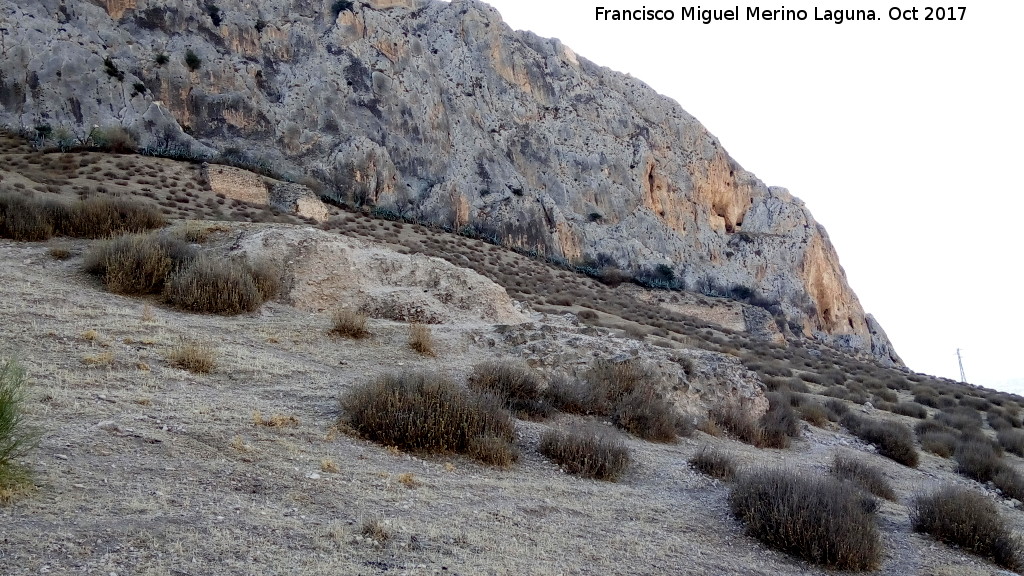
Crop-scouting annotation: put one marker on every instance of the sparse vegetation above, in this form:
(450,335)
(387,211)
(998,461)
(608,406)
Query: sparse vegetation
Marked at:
(965,518)
(822,520)
(589,451)
(16,437)
(192,60)
(867,476)
(714,463)
(348,323)
(426,412)
(34,219)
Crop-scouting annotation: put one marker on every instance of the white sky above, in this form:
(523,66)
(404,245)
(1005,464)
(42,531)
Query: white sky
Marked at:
(903,138)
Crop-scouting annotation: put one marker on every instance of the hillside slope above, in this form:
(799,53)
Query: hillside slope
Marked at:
(147,468)
(437,112)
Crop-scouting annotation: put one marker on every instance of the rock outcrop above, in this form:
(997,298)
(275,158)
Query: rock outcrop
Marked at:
(435,111)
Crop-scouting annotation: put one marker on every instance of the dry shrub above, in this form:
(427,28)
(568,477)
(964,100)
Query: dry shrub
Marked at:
(867,476)
(493,450)
(912,409)
(137,264)
(515,382)
(939,443)
(977,459)
(1010,482)
(16,437)
(24,220)
(35,219)
(821,520)
(568,394)
(625,392)
(214,286)
(266,275)
(102,217)
(814,413)
(134,265)
(1012,440)
(967,519)
(773,430)
(348,324)
(960,417)
(836,409)
(778,425)
(421,339)
(426,412)
(590,451)
(892,439)
(194,356)
(714,463)
(736,420)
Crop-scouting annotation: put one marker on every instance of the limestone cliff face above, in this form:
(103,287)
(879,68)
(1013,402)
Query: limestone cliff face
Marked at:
(436,111)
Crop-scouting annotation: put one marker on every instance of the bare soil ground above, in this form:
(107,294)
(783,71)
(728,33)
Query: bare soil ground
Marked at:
(147,469)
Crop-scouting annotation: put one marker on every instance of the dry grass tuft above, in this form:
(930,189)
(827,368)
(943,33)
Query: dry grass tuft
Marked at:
(376,529)
(421,339)
(275,421)
(821,520)
(60,252)
(193,355)
(328,466)
(105,358)
(590,451)
(348,324)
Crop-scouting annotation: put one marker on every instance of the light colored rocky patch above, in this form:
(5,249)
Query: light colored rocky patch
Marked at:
(297,199)
(237,184)
(246,186)
(327,271)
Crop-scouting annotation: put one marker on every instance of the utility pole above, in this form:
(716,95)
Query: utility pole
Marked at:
(961,360)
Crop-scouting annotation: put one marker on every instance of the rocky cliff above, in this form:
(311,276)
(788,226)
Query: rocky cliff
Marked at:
(435,111)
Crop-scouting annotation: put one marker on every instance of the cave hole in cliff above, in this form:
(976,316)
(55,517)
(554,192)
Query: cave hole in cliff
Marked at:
(850,320)
(826,315)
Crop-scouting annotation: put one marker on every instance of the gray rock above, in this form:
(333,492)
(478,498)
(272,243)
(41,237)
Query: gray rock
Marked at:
(436,111)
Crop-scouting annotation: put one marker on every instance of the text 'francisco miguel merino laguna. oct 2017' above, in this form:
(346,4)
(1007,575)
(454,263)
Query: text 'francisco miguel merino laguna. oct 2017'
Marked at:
(782,14)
